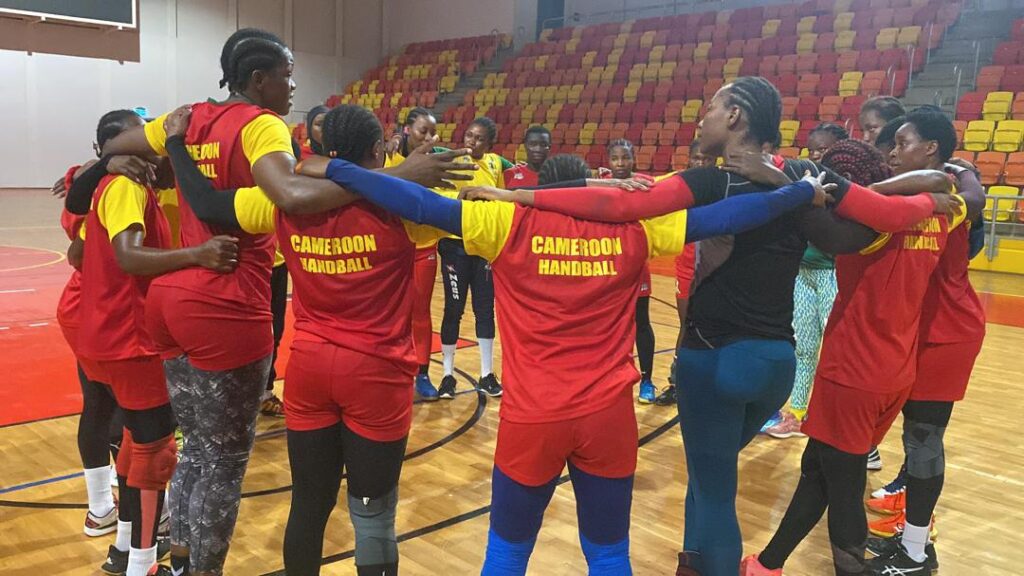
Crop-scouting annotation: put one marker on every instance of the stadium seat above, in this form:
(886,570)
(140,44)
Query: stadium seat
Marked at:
(1009,136)
(909,36)
(970,106)
(961,126)
(872,84)
(805,25)
(1004,206)
(807,109)
(789,104)
(989,78)
(828,110)
(978,135)
(788,130)
(1013,172)
(886,38)
(805,45)
(847,62)
(844,40)
(843,22)
(850,83)
(1017,109)
(808,84)
(997,106)
(991,165)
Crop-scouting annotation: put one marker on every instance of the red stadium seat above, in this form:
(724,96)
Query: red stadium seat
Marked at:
(970,105)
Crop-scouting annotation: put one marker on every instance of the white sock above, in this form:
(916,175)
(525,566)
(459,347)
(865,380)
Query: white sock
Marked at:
(448,358)
(486,356)
(915,538)
(141,561)
(124,536)
(97,485)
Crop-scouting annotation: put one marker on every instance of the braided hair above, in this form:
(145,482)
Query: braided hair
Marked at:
(834,130)
(350,132)
(250,55)
(621,143)
(886,107)
(932,124)
(562,168)
(233,40)
(488,125)
(761,104)
(859,161)
(113,123)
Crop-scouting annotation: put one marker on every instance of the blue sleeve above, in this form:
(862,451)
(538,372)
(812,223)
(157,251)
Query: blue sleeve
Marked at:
(738,214)
(406,199)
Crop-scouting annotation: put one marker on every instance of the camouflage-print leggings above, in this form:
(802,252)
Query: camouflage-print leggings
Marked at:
(217,414)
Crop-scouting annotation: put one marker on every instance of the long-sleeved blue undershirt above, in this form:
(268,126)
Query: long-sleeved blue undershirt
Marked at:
(418,204)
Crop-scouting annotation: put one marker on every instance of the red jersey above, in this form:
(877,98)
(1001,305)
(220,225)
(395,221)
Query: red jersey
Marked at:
(685,264)
(112,301)
(952,311)
(871,338)
(351,269)
(215,141)
(565,291)
(520,176)
(68,305)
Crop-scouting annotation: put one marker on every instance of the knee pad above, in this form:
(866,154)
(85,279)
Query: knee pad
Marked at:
(373,520)
(152,464)
(925,450)
(124,455)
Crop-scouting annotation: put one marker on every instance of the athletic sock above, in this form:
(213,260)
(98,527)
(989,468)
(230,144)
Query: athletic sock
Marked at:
(486,356)
(140,561)
(799,413)
(97,485)
(915,538)
(424,369)
(448,358)
(645,375)
(124,536)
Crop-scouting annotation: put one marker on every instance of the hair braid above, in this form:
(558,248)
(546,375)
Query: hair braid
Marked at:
(835,130)
(233,40)
(621,143)
(864,164)
(761,104)
(350,132)
(111,124)
(250,55)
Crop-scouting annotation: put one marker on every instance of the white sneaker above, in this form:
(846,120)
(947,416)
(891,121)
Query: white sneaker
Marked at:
(100,526)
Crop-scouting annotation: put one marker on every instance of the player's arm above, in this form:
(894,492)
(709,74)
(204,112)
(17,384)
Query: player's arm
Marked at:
(214,207)
(84,181)
(969,189)
(76,252)
(613,204)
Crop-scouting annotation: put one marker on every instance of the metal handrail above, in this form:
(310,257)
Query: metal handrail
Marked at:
(992,220)
(912,51)
(958,71)
(892,80)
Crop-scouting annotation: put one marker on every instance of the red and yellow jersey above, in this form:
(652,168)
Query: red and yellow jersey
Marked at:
(490,171)
(168,200)
(68,306)
(871,339)
(952,311)
(351,271)
(225,141)
(685,264)
(520,176)
(565,292)
(113,302)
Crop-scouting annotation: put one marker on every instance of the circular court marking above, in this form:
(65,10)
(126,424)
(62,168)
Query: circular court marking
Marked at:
(26,258)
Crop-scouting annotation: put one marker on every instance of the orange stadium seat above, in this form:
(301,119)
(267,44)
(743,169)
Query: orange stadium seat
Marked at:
(991,165)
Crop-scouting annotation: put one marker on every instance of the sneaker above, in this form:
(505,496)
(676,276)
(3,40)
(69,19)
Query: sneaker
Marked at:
(886,547)
(751,566)
(898,564)
(447,389)
(672,374)
(892,504)
(874,459)
(893,525)
(647,392)
(489,385)
(117,561)
(162,570)
(272,406)
(100,525)
(775,419)
(667,397)
(689,564)
(425,388)
(898,484)
(788,427)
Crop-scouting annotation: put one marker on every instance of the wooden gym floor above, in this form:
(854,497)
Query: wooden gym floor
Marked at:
(443,514)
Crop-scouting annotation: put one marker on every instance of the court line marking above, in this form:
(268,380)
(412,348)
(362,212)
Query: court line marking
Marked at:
(18,291)
(60,258)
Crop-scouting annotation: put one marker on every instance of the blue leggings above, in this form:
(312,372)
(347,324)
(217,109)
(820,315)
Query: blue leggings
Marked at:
(725,395)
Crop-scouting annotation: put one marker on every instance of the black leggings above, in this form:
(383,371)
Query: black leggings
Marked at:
(100,425)
(924,425)
(318,460)
(463,274)
(644,337)
(832,479)
(278,307)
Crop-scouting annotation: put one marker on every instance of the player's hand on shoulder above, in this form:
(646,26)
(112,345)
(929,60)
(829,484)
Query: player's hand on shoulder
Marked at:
(176,122)
(219,254)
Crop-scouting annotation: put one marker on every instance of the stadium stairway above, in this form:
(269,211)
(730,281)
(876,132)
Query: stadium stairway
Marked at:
(936,84)
(474,81)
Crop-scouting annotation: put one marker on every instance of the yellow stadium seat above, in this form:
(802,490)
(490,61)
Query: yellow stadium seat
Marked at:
(806,25)
(908,36)
(886,39)
(843,22)
(627,27)
(630,94)
(647,39)
(978,135)
(691,110)
(770,28)
(995,110)
(723,16)
(620,40)
(666,70)
(849,84)
(701,52)
(806,43)
(1009,136)
(841,6)
(651,74)
(571,45)
(844,41)
(1003,207)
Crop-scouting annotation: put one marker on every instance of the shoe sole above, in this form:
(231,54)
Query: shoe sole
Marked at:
(882,493)
(490,394)
(445,397)
(874,467)
(112,573)
(645,400)
(97,532)
(785,435)
(429,398)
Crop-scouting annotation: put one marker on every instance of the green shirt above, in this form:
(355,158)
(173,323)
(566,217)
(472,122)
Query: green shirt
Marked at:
(816,259)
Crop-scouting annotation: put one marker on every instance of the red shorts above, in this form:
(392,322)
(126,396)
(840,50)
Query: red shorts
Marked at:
(685,263)
(326,384)
(137,383)
(645,282)
(214,337)
(944,370)
(603,444)
(851,419)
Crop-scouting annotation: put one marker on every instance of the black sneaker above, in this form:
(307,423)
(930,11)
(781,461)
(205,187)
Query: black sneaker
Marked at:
(874,459)
(667,397)
(489,385)
(885,547)
(117,561)
(672,373)
(447,388)
(897,564)
(162,570)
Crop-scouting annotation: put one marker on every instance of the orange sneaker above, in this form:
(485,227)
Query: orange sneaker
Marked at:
(889,504)
(893,525)
(751,566)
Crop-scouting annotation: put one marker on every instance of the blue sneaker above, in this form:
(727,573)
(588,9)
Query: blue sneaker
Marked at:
(425,388)
(647,392)
(899,484)
(775,419)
